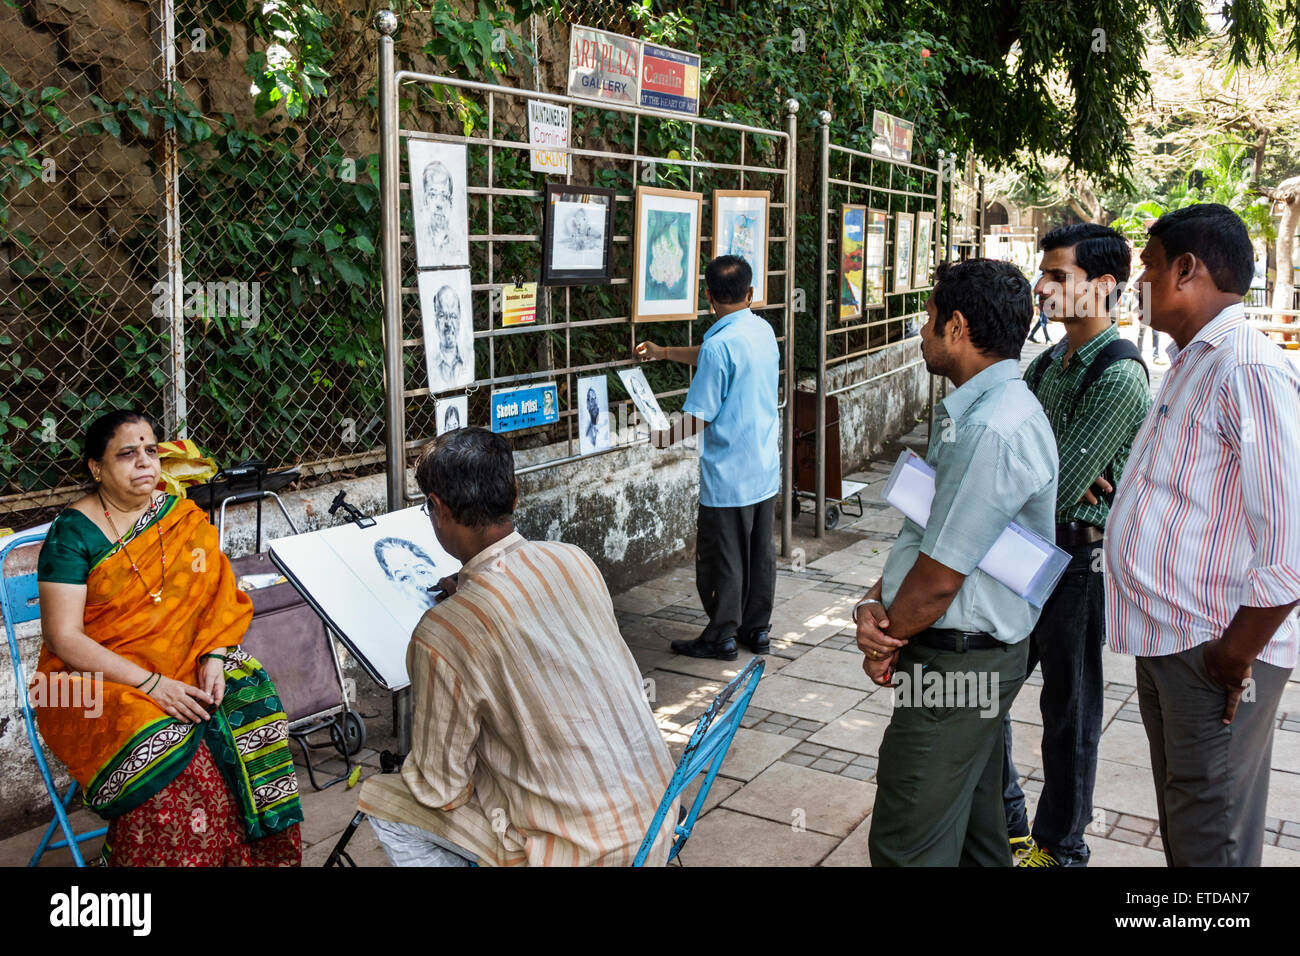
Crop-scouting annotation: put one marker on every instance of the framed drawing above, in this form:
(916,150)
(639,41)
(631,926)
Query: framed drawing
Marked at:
(853,228)
(904,223)
(638,388)
(924,249)
(577,235)
(448,319)
(874,273)
(451,413)
(439,203)
(592,405)
(740,229)
(666,255)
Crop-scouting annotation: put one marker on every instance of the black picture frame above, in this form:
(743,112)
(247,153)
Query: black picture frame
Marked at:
(599,198)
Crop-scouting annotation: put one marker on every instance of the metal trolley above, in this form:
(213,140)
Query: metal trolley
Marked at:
(842,497)
(289,638)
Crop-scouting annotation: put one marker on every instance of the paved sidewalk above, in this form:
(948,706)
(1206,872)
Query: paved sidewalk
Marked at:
(797,787)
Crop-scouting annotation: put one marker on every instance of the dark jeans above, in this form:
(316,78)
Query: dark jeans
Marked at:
(1066,642)
(735,569)
(1040,323)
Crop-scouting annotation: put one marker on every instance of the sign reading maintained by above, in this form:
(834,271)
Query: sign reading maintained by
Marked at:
(548,135)
(670,79)
(603,66)
(515,408)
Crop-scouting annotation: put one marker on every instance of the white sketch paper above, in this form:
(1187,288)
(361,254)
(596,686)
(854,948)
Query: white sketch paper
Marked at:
(448,319)
(439,203)
(634,381)
(593,414)
(370,583)
(579,236)
(452,413)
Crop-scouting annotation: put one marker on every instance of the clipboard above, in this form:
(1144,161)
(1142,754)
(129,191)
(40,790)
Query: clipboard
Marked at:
(1023,561)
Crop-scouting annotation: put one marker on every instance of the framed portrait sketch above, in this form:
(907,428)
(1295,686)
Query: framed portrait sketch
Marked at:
(853,229)
(448,319)
(666,255)
(924,249)
(592,405)
(451,413)
(740,229)
(643,398)
(874,274)
(904,223)
(577,235)
(439,203)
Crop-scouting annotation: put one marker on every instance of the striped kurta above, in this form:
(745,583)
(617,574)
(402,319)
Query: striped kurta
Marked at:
(532,740)
(1208,516)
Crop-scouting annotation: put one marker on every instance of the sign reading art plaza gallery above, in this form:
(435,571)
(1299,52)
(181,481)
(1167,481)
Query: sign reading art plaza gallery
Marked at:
(670,79)
(603,66)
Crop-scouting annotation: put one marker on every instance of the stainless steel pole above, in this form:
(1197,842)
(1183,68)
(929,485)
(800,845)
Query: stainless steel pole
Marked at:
(390,221)
(787,425)
(824,119)
(175,409)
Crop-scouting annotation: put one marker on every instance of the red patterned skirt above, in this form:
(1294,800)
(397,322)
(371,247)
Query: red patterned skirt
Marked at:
(194,821)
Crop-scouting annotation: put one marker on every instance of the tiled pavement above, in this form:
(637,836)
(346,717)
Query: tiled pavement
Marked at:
(797,787)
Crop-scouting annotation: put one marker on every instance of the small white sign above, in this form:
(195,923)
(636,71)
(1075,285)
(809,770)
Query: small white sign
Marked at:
(548,135)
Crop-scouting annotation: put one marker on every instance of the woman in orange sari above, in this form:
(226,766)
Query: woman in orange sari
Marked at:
(185,749)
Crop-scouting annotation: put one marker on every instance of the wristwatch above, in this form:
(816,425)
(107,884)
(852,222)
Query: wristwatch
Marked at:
(865,601)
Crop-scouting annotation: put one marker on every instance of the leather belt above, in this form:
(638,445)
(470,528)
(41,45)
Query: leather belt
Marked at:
(959,641)
(1075,534)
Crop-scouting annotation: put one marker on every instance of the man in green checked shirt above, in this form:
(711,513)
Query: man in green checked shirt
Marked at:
(1094,416)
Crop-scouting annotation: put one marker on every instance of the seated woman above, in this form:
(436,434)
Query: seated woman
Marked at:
(189,759)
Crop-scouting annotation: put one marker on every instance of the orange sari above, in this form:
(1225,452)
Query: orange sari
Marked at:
(131,750)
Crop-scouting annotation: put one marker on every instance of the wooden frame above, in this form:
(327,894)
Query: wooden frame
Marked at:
(758,258)
(678,292)
(852,261)
(569,274)
(904,243)
(875,263)
(924,246)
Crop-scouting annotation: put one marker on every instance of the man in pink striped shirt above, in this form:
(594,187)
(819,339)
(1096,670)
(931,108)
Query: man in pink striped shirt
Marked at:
(1202,555)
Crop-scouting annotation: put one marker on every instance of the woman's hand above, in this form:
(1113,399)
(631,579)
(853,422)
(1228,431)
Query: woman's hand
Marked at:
(212,678)
(183,701)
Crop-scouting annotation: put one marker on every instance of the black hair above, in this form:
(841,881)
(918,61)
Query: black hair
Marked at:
(103,428)
(383,544)
(728,278)
(1098,250)
(995,298)
(472,471)
(1214,234)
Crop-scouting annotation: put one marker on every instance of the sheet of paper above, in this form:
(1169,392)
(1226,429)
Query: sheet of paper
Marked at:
(1013,560)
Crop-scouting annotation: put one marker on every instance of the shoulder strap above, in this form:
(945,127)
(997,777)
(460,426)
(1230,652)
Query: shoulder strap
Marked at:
(1115,351)
(1038,367)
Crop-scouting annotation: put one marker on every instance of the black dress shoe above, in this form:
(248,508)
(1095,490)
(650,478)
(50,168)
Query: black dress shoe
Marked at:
(756,643)
(717,650)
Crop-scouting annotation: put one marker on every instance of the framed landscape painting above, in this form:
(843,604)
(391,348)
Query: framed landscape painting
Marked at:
(666,255)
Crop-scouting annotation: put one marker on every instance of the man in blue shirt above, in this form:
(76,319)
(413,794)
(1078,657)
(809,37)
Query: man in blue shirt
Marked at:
(731,405)
(954,637)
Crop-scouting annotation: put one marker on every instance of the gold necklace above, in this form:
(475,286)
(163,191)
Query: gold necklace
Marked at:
(162,558)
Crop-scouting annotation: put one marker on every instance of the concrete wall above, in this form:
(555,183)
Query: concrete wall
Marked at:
(632,510)
(885,403)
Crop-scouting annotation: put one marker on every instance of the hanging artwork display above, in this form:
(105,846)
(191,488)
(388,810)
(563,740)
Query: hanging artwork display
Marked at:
(853,226)
(452,413)
(740,229)
(439,203)
(874,273)
(448,321)
(924,249)
(904,223)
(577,235)
(633,380)
(592,405)
(666,256)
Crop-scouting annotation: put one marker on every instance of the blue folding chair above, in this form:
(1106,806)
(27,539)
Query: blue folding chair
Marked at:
(20,602)
(704,754)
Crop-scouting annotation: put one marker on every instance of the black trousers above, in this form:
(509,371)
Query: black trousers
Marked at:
(735,569)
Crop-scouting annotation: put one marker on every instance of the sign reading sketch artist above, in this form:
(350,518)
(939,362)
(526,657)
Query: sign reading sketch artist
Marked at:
(603,66)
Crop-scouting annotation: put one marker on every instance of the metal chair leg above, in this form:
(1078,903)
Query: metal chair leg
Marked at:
(339,853)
